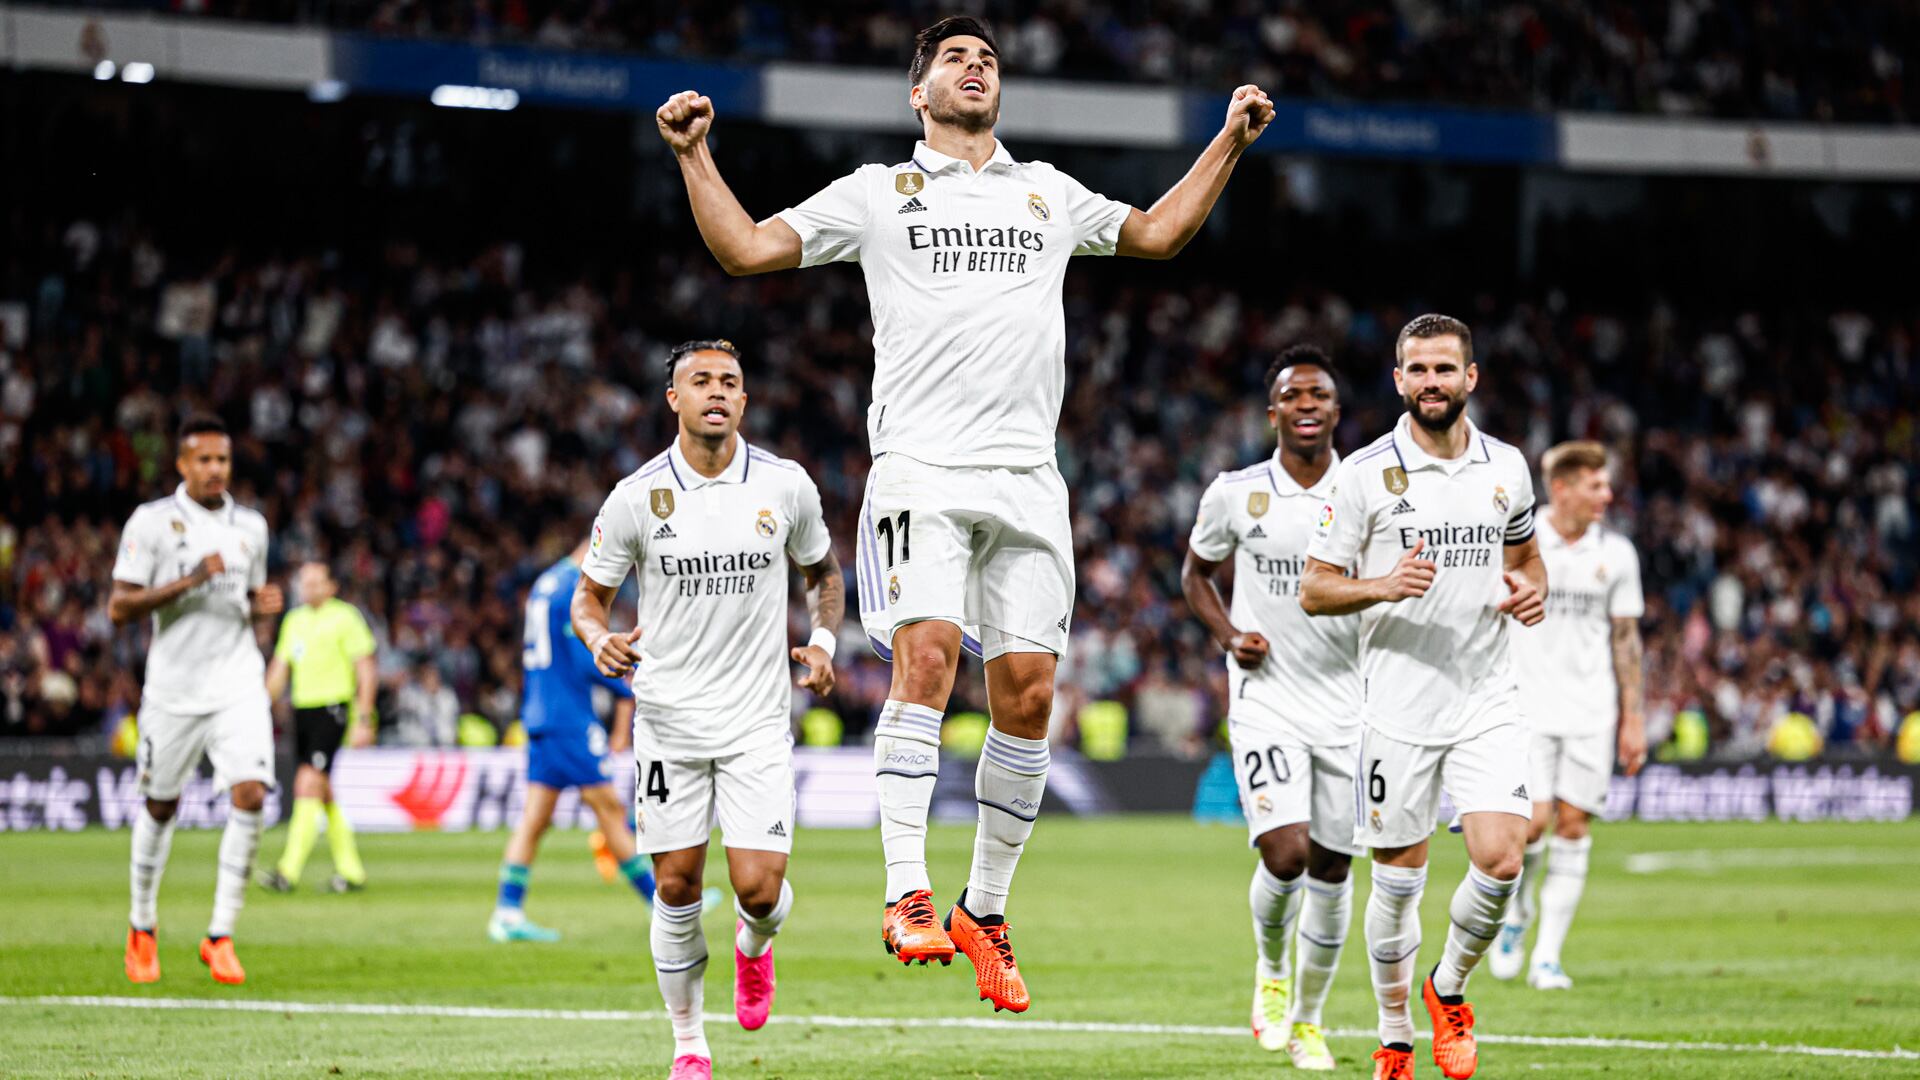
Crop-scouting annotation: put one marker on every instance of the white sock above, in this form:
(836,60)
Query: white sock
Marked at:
(1560,895)
(1323,930)
(1276,904)
(906,762)
(680,965)
(1473,922)
(1007,785)
(1520,912)
(756,935)
(151,842)
(238,842)
(1393,938)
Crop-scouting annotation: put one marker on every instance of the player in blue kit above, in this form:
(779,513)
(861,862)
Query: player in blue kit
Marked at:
(566,748)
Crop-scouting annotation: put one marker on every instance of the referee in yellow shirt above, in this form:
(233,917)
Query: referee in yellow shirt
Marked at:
(327,649)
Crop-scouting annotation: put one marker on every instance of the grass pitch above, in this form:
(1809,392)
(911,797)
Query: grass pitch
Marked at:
(1778,934)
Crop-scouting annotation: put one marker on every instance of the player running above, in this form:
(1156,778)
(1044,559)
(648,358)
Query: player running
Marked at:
(1580,686)
(197,563)
(965,523)
(1294,702)
(566,748)
(1435,520)
(326,651)
(705,525)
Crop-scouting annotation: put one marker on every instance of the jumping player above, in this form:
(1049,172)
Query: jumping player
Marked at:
(1435,522)
(965,524)
(1294,702)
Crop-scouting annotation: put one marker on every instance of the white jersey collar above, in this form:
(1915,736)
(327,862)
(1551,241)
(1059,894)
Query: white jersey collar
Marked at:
(191,507)
(1285,484)
(1412,457)
(934,161)
(689,480)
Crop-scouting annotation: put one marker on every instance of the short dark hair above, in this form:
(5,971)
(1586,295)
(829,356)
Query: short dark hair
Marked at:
(1561,462)
(927,41)
(201,424)
(1433,326)
(1294,355)
(688,348)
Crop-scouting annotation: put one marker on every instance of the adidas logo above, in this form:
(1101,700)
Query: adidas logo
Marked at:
(1403,507)
(777,830)
(1257,533)
(913,206)
(1062,624)
(664,532)
(1520,792)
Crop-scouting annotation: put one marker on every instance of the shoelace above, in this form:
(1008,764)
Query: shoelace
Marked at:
(1459,1017)
(997,937)
(918,913)
(1273,1007)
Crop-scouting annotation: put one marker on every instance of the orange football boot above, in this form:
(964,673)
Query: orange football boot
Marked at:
(603,859)
(1392,1064)
(143,956)
(910,930)
(1454,1049)
(217,954)
(987,946)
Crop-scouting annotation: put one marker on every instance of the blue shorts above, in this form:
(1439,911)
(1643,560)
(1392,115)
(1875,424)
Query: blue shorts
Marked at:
(569,758)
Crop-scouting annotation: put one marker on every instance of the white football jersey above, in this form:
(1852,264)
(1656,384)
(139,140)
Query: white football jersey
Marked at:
(204,655)
(1310,680)
(712,561)
(1435,670)
(963,272)
(1565,664)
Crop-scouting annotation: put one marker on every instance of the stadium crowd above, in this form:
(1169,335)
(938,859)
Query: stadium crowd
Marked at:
(440,429)
(1794,60)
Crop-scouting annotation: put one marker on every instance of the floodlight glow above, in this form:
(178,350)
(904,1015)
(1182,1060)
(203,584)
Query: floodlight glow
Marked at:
(475,97)
(326,91)
(137,72)
(103,70)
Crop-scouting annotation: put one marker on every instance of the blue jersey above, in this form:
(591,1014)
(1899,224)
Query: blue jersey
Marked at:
(557,690)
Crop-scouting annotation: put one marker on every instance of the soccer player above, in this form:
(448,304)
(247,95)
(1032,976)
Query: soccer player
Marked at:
(197,563)
(1294,702)
(965,522)
(326,651)
(1435,522)
(705,525)
(566,748)
(1580,687)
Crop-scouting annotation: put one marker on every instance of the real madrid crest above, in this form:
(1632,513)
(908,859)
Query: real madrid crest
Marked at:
(909,183)
(1500,500)
(764,524)
(1396,478)
(660,501)
(1257,503)
(893,589)
(178,525)
(1039,206)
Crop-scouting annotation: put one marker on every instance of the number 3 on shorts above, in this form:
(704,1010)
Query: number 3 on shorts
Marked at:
(656,785)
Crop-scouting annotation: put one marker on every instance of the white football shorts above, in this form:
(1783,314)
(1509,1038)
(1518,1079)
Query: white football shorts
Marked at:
(1396,792)
(1284,781)
(677,801)
(1574,769)
(237,739)
(986,548)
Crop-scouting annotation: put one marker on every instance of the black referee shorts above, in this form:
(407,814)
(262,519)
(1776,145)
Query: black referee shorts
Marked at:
(317,734)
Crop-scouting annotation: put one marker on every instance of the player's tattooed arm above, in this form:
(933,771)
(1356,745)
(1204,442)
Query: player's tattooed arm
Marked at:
(826,606)
(1160,232)
(1627,665)
(1526,578)
(1203,598)
(613,653)
(129,603)
(1326,589)
(741,245)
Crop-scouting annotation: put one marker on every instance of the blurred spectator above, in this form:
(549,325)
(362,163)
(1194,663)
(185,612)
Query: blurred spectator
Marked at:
(426,710)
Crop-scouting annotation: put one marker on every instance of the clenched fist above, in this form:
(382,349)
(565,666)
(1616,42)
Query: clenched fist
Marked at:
(684,120)
(1249,112)
(1412,576)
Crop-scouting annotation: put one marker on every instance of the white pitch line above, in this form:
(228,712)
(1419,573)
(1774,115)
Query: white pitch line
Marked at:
(488,1012)
(1715,860)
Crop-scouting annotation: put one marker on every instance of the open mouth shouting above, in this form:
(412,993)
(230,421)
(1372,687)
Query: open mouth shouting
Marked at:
(974,85)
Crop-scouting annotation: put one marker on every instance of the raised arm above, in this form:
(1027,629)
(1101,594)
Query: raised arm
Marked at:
(741,245)
(827,606)
(613,654)
(1325,589)
(1204,600)
(1627,663)
(1160,232)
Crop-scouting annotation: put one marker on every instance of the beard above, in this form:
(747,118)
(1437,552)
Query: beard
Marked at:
(946,107)
(1455,405)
